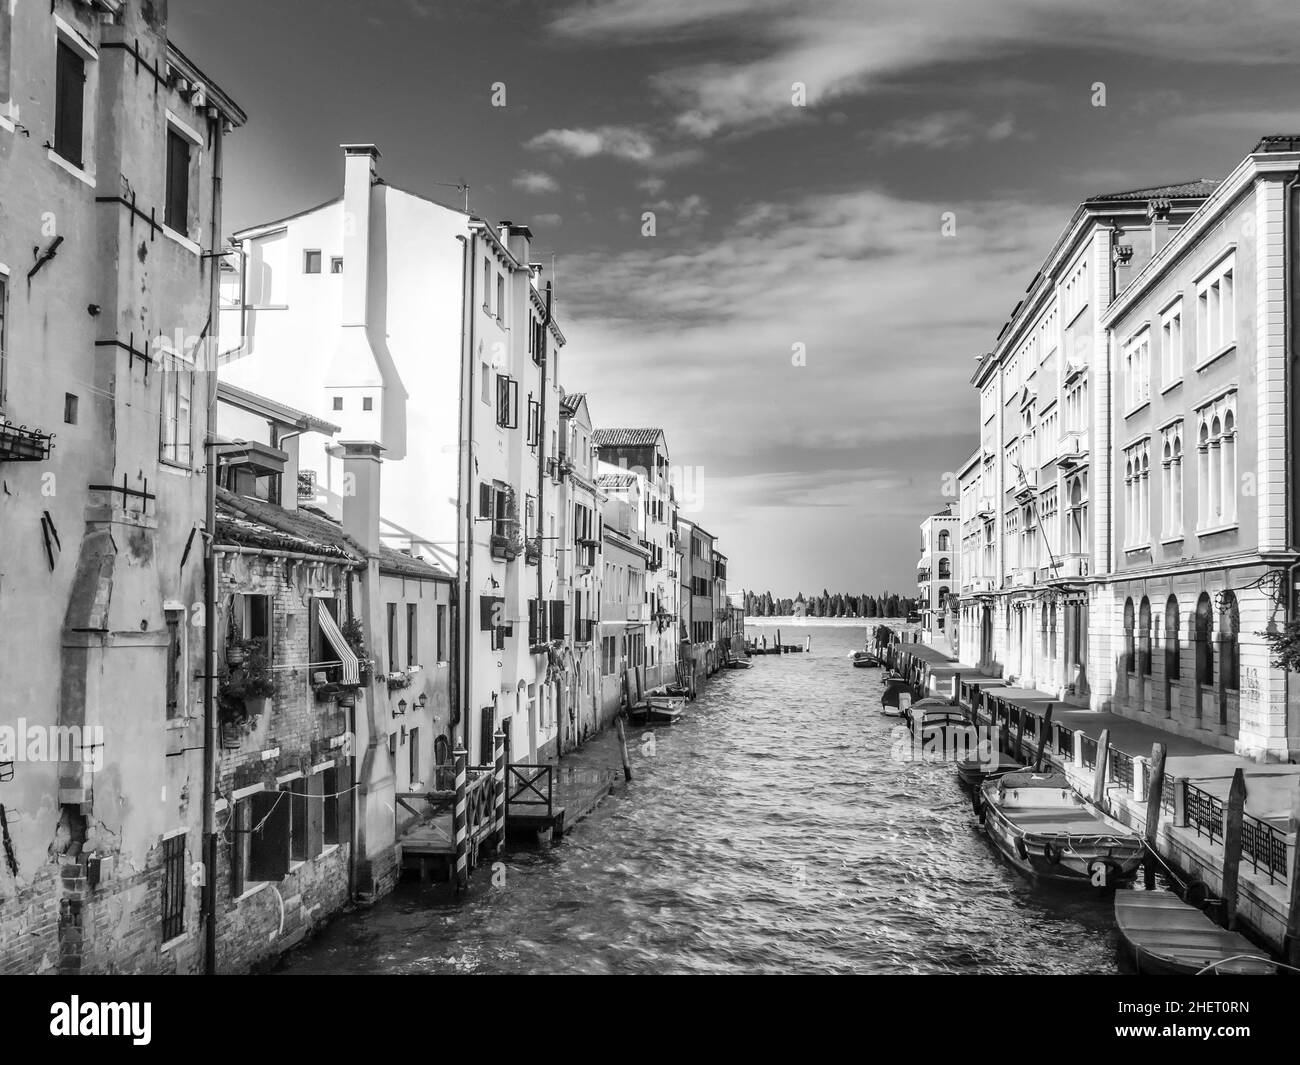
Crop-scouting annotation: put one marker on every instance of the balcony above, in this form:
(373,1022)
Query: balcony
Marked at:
(505,546)
(1076,565)
(1072,451)
(985,507)
(18,443)
(1023,577)
(978,584)
(1026,485)
(636,612)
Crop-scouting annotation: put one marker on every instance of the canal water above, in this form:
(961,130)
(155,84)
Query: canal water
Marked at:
(770,832)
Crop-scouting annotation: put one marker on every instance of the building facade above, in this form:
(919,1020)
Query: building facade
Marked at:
(937,573)
(111,145)
(623,615)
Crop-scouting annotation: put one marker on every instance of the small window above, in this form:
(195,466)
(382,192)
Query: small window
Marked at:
(336,264)
(69,103)
(412,634)
(486,378)
(367,403)
(501,297)
(311,262)
(487,285)
(177,388)
(176,214)
(173,887)
(392,638)
(338,402)
(175,664)
(442,633)
(69,409)
(413,753)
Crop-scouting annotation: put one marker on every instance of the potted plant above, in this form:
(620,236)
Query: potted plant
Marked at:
(246,675)
(354,633)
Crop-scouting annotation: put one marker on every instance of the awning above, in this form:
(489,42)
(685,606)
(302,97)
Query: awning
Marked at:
(351,667)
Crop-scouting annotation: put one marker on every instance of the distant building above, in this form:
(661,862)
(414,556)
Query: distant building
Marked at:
(936,573)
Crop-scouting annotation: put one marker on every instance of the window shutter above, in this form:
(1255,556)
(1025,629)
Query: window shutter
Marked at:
(557,619)
(485,494)
(343,804)
(238,829)
(487,731)
(70,93)
(485,604)
(268,846)
(298,802)
(315,814)
(177,211)
(512,403)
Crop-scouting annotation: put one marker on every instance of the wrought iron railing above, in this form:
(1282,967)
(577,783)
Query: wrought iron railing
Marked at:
(1089,751)
(1265,846)
(1204,812)
(1121,768)
(1065,742)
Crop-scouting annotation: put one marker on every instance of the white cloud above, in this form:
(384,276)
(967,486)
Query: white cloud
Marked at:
(621,142)
(535,181)
(944,129)
(840,48)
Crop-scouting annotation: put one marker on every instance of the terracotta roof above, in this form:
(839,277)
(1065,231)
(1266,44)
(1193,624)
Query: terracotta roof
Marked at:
(245,521)
(572,400)
(626,437)
(1178,191)
(615,480)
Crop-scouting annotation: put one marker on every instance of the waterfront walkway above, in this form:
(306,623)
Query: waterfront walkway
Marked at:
(1197,781)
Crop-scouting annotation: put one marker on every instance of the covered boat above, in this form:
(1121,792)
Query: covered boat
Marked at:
(659,709)
(1049,833)
(981,766)
(864,660)
(1170,937)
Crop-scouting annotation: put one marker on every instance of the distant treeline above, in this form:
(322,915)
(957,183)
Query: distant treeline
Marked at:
(828,605)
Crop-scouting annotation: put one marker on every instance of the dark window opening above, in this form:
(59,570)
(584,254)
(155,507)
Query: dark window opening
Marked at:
(69,103)
(173,887)
(177,210)
(311,262)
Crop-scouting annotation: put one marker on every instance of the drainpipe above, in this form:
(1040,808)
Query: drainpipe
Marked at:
(465,486)
(210,724)
(541,461)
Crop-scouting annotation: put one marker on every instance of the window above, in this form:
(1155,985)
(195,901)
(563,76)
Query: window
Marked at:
(175,663)
(1229,621)
(69,103)
(173,887)
(412,641)
(299,843)
(1171,481)
(338,402)
(1216,312)
(336,264)
(311,262)
(943,539)
(413,755)
(336,807)
(1216,463)
(1129,660)
(507,402)
(486,377)
(69,409)
(393,666)
(487,285)
(492,612)
(178,386)
(259,832)
(176,212)
(1204,648)
(1144,637)
(534,422)
(1171,345)
(322,651)
(1075,296)
(442,633)
(367,402)
(1172,667)
(501,298)
(1137,494)
(1137,369)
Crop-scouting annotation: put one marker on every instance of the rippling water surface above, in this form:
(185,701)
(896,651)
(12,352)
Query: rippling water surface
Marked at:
(769,832)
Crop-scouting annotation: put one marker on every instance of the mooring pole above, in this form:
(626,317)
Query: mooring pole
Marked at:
(1044,730)
(1099,775)
(458,822)
(1233,818)
(499,789)
(1155,790)
(622,746)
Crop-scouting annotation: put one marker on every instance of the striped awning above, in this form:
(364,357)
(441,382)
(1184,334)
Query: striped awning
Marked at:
(351,667)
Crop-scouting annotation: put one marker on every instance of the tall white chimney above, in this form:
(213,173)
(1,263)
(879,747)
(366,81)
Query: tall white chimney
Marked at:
(362,460)
(359,172)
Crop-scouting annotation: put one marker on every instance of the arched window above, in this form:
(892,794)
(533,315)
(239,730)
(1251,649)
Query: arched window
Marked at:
(1171,638)
(945,568)
(1144,637)
(1129,657)
(1229,620)
(943,597)
(1204,648)
(943,539)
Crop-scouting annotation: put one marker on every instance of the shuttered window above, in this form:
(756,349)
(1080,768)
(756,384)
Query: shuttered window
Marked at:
(69,103)
(557,619)
(270,818)
(177,212)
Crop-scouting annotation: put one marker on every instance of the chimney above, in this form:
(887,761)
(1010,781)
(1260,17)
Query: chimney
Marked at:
(361,464)
(359,174)
(517,239)
(1158,217)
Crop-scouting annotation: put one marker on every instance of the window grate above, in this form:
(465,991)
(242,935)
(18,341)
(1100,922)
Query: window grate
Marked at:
(173,888)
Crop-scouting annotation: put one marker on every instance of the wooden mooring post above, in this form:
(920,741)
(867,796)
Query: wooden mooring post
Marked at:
(1155,789)
(1233,818)
(1099,775)
(956,689)
(1044,730)
(622,747)
(499,791)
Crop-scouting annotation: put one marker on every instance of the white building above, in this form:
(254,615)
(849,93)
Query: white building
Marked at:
(936,574)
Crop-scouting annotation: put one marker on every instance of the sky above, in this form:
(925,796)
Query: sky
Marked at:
(798,322)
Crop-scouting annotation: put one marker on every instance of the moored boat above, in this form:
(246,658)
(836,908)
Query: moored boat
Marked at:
(1046,831)
(1170,937)
(864,660)
(659,709)
(738,663)
(973,771)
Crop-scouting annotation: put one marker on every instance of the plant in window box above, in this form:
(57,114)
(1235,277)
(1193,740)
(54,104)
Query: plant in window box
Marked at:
(355,635)
(397,681)
(245,676)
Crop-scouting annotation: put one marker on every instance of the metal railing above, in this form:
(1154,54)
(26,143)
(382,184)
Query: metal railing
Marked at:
(530,785)
(1089,752)
(1065,742)
(1265,846)
(1121,768)
(1204,812)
